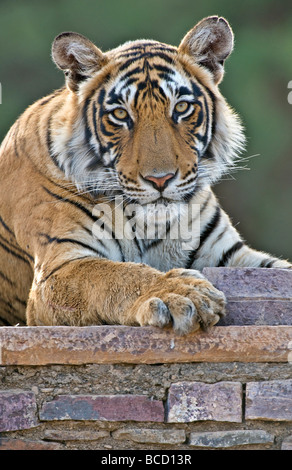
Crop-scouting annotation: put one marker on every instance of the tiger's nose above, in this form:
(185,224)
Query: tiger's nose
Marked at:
(160,182)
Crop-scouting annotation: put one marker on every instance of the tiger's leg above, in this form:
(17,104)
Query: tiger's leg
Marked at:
(16,276)
(241,255)
(221,245)
(95,291)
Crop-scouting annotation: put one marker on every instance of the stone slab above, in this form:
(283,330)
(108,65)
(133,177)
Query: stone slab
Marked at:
(255,296)
(17,410)
(287,443)
(252,283)
(24,444)
(224,439)
(271,400)
(121,344)
(103,408)
(64,436)
(257,312)
(197,401)
(151,436)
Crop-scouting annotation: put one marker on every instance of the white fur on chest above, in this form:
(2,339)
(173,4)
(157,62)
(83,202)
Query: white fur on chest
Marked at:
(160,235)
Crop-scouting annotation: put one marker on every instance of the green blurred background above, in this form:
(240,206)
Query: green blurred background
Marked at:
(255,84)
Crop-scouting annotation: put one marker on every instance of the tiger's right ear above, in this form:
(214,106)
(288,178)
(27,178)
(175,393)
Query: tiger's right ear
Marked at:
(77,56)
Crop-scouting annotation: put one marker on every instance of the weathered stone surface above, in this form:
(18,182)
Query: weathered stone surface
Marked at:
(48,382)
(257,312)
(252,283)
(270,400)
(197,401)
(90,362)
(63,436)
(287,443)
(122,344)
(224,439)
(151,436)
(23,444)
(17,410)
(255,296)
(103,408)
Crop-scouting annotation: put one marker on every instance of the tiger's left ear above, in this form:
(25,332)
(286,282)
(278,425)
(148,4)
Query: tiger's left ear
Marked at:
(77,56)
(210,42)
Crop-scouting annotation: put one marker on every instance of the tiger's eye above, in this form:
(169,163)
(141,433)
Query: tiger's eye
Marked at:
(120,113)
(182,106)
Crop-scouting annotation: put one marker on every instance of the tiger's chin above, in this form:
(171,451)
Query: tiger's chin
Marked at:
(158,214)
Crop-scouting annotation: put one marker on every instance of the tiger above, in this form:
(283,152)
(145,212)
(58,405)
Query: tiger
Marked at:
(98,177)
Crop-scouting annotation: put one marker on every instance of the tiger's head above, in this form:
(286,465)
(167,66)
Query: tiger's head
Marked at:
(149,121)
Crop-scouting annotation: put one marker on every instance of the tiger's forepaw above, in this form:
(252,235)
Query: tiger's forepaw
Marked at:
(181,300)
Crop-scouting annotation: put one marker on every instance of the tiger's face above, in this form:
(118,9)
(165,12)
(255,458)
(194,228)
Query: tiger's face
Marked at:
(152,124)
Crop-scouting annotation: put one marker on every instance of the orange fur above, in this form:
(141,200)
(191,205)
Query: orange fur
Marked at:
(68,152)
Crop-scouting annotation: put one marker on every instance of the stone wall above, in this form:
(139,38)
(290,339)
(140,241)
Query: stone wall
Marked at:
(116,387)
